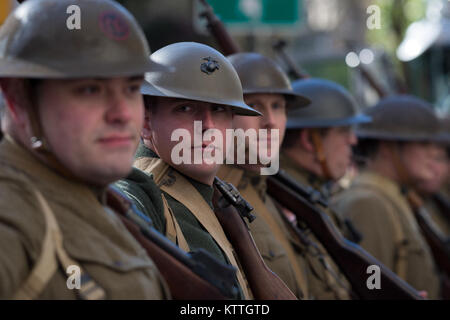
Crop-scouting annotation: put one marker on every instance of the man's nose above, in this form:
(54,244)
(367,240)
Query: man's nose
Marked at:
(352,139)
(268,118)
(118,109)
(207,120)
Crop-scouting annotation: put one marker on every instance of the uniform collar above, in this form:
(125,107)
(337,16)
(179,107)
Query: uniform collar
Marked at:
(373,178)
(18,157)
(144,151)
(257,181)
(306,177)
(205,190)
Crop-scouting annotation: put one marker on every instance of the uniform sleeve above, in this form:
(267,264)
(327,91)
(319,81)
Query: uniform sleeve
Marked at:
(21,229)
(13,262)
(142,190)
(369,214)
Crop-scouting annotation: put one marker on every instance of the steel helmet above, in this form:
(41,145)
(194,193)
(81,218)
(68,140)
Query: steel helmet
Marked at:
(202,74)
(331,106)
(260,74)
(401,118)
(37,40)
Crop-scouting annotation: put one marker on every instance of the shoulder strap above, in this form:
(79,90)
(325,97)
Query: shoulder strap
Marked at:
(159,169)
(47,263)
(180,189)
(173,230)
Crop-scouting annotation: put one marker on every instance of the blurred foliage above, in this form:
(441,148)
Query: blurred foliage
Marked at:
(331,69)
(396,16)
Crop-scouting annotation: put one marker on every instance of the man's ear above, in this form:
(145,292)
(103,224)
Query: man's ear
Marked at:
(306,140)
(385,149)
(146,133)
(14,95)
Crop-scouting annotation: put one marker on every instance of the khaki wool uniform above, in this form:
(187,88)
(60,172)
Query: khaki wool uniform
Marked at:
(441,219)
(283,253)
(180,208)
(380,211)
(92,236)
(307,178)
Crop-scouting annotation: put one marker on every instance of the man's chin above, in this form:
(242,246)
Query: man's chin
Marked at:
(107,174)
(200,172)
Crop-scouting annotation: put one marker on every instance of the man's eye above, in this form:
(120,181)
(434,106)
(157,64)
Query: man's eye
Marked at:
(345,130)
(218,108)
(279,105)
(184,108)
(134,88)
(88,90)
(253,105)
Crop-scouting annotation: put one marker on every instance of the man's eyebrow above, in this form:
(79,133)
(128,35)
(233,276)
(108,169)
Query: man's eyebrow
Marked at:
(182,100)
(135,78)
(128,79)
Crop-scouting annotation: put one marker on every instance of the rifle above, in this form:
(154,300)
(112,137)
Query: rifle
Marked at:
(190,276)
(229,225)
(265,284)
(351,258)
(229,46)
(395,79)
(293,69)
(372,82)
(217,29)
(432,235)
(438,243)
(295,72)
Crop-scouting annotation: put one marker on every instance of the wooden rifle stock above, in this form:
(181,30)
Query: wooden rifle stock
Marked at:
(176,266)
(368,76)
(440,247)
(352,260)
(264,284)
(218,30)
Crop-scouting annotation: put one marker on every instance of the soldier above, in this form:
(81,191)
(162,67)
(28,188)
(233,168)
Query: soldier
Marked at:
(317,148)
(397,148)
(432,189)
(268,90)
(178,198)
(74,112)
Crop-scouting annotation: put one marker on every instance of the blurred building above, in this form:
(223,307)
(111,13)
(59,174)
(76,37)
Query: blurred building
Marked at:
(426,51)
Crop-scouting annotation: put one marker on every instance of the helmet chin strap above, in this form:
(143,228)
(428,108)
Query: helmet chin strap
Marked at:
(40,144)
(397,162)
(320,154)
(405,182)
